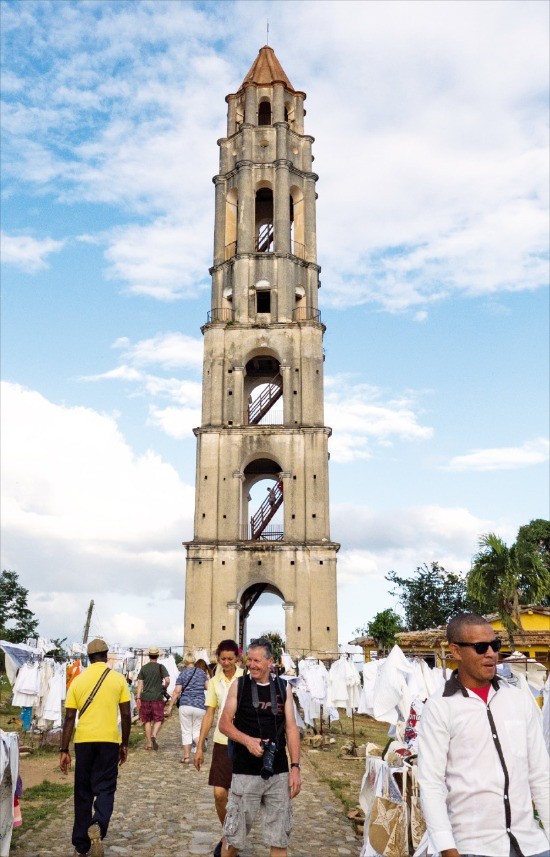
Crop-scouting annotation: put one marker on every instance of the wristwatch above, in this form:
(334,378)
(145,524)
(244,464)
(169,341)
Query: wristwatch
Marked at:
(295,765)
(61,750)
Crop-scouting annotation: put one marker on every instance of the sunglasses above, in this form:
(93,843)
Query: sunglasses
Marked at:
(481,648)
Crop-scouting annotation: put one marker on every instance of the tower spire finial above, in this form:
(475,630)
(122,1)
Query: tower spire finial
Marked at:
(267,42)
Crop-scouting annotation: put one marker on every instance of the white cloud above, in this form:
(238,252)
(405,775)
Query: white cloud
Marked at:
(358,415)
(175,422)
(445,172)
(169,350)
(376,541)
(28,253)
(75,496)
(503,458)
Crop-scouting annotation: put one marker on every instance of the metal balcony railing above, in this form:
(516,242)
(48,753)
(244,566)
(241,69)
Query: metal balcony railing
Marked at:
(271,418)
(230,250)
(306,313)
(271,533)
(220,314)
(299,249)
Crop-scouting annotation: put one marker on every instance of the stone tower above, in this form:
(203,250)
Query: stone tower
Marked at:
(262,406)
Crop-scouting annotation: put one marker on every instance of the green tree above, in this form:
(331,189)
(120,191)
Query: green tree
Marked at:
(504,577)
(17,622)
(534,537)
(431,596)
(58,651)
(277,644)
(384,627)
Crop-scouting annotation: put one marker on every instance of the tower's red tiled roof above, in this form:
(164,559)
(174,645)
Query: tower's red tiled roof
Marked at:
(266,69)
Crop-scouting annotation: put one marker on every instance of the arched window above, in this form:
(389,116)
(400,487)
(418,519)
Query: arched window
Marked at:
(264,220)
(263,501)
(263,389)
(264,113)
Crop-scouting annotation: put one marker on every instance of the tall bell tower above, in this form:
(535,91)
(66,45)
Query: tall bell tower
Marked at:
(262,406)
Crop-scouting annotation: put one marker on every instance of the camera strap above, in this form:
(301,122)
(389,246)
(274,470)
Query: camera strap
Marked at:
(256,704)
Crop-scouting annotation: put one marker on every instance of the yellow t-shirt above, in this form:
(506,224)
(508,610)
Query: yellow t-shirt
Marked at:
(216,695)
(100,720)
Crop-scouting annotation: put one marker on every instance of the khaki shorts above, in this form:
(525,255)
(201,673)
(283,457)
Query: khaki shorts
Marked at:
(250,794)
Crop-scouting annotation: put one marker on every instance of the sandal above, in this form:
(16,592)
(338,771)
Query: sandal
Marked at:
(148,748)
(185,761)
(154,743)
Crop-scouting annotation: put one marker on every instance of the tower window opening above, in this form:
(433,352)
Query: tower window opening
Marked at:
(263,301)
(264,113)
(192,625)
(264,220)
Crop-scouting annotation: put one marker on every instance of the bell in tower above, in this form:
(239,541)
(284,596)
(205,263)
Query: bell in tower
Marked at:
(262,406)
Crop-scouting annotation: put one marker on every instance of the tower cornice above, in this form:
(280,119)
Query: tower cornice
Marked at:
(261,431)
(302,262)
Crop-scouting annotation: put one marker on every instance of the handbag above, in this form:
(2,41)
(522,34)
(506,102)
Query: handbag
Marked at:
(388,824)
(185,685)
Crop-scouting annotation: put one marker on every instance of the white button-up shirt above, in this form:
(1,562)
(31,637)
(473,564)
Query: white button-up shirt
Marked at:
(462,780)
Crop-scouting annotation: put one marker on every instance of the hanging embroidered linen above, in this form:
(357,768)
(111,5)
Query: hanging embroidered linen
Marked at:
(9,770)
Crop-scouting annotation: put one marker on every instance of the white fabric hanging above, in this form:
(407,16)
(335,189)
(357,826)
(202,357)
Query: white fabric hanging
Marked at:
(344,686)
(392,699)
(9,769)
(173,671)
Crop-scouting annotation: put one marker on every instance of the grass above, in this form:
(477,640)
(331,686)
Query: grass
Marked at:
(39,803)
(343,776)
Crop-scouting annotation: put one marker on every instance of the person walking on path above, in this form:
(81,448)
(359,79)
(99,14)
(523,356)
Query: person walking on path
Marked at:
(98,694)
(188,695)
(218,688)
(258,717)
(482,761)
(153,679)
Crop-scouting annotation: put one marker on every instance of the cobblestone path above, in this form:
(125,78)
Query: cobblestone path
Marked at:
(165,808)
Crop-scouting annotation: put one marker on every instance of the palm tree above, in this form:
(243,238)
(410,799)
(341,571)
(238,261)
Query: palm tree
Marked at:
(501,578)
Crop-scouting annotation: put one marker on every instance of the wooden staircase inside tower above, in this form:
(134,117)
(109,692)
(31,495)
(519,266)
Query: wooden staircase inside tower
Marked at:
(264,241)
(261,518)
(265,401)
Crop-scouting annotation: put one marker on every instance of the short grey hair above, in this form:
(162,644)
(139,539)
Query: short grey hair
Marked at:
(262,643)
(460,621)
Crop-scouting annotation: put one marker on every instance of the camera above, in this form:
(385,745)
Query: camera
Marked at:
(268,759)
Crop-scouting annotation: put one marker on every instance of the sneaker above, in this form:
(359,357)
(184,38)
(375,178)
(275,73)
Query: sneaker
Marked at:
(80,853)
(94,832)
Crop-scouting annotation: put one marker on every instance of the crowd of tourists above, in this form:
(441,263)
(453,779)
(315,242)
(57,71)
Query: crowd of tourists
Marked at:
(482,759)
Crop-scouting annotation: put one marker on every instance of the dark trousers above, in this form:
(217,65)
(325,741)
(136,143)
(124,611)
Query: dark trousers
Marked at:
(95,777)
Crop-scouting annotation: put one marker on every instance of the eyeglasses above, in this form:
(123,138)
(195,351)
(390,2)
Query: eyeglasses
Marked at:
(481,648)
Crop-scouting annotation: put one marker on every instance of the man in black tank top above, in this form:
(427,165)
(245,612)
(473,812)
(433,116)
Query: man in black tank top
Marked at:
(258,718)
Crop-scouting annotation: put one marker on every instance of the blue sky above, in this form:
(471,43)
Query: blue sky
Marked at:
(430,122)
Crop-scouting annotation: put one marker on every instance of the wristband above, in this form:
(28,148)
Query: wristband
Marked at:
(295,765)
(61,750)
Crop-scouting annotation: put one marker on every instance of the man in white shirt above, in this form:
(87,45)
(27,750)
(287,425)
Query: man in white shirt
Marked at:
(482,762)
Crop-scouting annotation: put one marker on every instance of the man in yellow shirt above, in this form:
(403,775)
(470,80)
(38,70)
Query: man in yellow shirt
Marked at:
(98,694)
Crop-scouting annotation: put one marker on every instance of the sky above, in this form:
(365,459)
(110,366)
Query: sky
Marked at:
(431,145)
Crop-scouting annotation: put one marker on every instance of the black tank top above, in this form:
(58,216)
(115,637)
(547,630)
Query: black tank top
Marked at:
(246,720)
